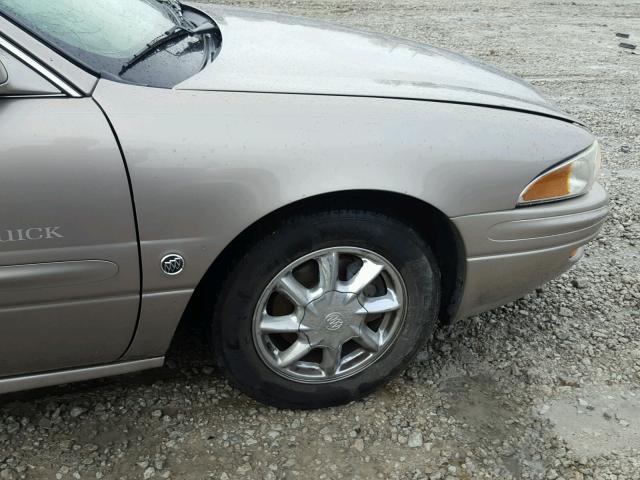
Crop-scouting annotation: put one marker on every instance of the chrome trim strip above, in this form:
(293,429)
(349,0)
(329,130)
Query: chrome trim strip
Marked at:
(16,384)
(54,95)
(45,72)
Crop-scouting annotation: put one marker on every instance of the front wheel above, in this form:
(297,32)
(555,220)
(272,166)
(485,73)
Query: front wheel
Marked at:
(326,309)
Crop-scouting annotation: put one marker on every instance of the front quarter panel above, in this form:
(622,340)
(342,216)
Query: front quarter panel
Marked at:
(206,165)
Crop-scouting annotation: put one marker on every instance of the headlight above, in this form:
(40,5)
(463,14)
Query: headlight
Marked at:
(569,179)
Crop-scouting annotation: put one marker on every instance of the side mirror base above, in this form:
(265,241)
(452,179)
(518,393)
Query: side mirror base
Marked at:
(4,76)
(17,79)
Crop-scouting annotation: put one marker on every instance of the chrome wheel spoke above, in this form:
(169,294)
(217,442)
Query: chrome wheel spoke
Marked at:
(294,353)
(328,265)
(280,324)
(367,274)
(368,339)
(294,290)
(331,360)
(386,303)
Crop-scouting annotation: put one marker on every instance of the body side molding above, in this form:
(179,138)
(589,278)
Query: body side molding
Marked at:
(55,274)
(14,384)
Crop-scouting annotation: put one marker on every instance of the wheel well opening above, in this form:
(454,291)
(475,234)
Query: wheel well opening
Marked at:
(429,222)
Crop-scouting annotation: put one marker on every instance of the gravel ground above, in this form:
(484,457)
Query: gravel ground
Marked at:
(546,387)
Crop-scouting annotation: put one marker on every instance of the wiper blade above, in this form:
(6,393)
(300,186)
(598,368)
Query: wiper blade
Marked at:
(176,32)
(174,6)
(152,46)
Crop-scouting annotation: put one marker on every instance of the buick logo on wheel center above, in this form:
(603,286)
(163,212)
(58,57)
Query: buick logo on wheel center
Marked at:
(172,264)
(334,321)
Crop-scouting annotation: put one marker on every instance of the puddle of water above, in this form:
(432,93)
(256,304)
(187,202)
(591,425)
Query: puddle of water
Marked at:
(597,421)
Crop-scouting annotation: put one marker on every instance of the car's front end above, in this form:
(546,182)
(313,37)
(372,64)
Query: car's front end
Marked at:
(328,193)
(511,252)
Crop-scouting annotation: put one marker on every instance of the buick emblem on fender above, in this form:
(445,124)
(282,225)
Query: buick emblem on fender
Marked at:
(172,264)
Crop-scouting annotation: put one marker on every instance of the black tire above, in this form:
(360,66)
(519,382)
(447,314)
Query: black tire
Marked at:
(232,326)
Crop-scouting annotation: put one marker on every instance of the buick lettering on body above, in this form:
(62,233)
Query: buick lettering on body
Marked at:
(30,233)
(320,197)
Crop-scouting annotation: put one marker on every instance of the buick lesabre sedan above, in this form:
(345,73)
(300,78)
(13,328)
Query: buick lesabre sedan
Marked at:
(323,197)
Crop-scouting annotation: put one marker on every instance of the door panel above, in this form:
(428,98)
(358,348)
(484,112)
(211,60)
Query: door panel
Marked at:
(69,267)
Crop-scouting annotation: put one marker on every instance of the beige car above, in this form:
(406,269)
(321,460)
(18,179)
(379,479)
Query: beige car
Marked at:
(321,196)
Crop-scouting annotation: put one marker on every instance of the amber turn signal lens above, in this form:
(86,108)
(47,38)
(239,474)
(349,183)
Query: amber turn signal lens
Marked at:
(571,178)
(555,184)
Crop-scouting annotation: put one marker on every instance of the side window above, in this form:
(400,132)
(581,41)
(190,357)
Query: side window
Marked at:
(21,80)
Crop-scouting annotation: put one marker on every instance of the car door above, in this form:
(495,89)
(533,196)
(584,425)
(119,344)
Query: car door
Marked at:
(69,264)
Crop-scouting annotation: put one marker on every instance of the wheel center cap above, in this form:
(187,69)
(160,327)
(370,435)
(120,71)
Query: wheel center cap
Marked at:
(332,319)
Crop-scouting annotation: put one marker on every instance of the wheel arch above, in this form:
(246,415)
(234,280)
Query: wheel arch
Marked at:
(432,224)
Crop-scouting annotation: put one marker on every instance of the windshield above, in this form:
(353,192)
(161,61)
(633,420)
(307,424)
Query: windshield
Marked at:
(111,28)
(103,35)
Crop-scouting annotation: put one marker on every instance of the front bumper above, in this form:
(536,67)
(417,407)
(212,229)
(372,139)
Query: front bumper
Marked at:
(512,252)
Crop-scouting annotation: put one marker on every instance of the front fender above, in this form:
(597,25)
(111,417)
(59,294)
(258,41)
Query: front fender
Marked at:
(206,165)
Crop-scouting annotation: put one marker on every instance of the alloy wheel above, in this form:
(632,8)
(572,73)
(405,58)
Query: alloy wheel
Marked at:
(329,315)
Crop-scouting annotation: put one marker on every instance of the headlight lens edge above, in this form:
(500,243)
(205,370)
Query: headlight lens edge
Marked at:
(571,178)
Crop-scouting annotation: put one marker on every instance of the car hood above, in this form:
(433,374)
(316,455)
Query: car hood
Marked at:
(276,53)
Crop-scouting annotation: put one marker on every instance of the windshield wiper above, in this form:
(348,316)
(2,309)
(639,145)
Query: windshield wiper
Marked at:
(176,32)
(174,7)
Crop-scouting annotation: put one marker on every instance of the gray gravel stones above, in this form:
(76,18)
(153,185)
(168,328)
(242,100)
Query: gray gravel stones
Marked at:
(76,412)
(359,445)
(495,397)
(415,440)
(8,474)
(565,312)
